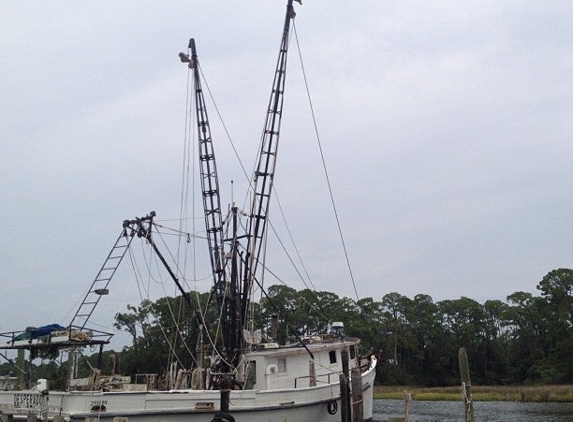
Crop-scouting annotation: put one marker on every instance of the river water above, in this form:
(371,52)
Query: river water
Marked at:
(453,411)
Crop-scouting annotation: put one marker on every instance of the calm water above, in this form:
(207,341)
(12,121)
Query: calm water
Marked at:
(450,411)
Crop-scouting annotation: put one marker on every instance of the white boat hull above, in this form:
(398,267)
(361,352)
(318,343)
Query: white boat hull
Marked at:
(306,404)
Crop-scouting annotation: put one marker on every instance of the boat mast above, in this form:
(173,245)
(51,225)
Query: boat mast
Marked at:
(226,294)
(265,170)
(209,177)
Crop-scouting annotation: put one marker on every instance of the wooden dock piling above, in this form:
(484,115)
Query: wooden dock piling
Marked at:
(466,385)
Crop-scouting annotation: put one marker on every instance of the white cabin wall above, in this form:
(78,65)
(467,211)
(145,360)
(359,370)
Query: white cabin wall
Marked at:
(269,371)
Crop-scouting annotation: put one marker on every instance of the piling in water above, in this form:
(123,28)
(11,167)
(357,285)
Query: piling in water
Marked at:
(466,385)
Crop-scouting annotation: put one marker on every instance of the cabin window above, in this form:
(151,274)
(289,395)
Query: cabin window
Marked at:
(352,352)
(282,366)
(332,355)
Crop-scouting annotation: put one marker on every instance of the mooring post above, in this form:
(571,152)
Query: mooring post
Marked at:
(344,399)
(407,399)
(225,392)
(20,364)
(357,406)
(466,385)
(345,407)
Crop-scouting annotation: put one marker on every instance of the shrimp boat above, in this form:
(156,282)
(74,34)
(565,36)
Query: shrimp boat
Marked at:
(319,378)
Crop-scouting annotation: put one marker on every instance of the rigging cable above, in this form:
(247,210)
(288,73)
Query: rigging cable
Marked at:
(225,127)
(189,169)
(281,281)
(244,173)
(136,272)
(251,187)
(176,320)
(187,179)
(299,339)
(185,165)
(201,311)
(369,328)
(299,256)
(324,165)
(158,280)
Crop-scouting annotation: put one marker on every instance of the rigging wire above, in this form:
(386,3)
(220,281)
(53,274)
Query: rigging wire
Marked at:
(299,256)
(276,197)
(201,311)
(290,257)
(284,283)
(136,272)
(190,172)
(176,318)
(183,222)
(331,194)
(249,180)
(177,232)
(335,210)
(185,185)
(170,342)
(184,196)
(148,263)
(235,151)
(211,292)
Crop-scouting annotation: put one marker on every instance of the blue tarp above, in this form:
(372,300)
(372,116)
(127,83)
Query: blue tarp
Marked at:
(46,329)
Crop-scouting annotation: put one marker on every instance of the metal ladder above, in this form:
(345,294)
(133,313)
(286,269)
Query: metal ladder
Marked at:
(100,285)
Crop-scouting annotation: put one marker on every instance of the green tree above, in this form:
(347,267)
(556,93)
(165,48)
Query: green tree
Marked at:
(557,290)
(525,339)
(496,338)
(393,350)
(463,321)
(165,332)
(428,360)
(528,344)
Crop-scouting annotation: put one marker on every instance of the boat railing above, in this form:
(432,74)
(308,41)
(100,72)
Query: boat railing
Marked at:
(33,337)
(365,364)
(320,378)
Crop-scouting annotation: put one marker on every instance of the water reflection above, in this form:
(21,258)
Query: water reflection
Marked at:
(453,411)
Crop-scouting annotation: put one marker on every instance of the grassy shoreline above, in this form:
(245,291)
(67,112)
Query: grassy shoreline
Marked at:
(545,393)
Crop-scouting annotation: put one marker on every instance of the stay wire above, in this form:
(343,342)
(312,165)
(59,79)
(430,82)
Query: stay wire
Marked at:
(289,255)
(324,165)
(278,311)
(201,312)
(189,141)
(176,318)
(235,151)
(284,283)
(187,181)
(335,210)
(171,342)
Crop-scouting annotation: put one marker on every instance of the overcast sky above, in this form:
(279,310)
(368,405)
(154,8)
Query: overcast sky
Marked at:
(446,128)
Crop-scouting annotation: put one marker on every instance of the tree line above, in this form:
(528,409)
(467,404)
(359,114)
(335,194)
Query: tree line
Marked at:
(525,339)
